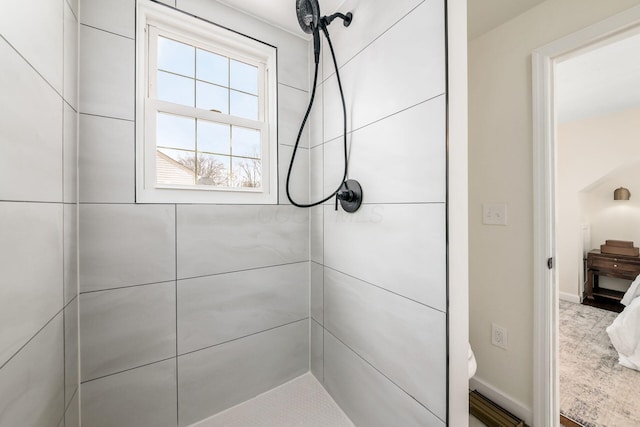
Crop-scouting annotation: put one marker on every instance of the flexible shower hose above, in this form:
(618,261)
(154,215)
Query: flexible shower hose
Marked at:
(304,121)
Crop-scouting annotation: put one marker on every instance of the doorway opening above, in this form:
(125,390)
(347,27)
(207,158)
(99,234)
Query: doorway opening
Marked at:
(565,186)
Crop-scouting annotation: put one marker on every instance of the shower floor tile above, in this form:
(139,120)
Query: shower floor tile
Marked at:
(302,402)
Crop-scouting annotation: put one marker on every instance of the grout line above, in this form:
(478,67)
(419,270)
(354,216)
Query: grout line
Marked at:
(62,420)
(107,31)
(73,395)
(72,11)
(165,282)
(70,106)
(64,133)
(321,208)
(242,337)
(384,118)
(175,250)
(31,339)
(64,343)
(374,40)
(383,374)
(128,369)
(36,201)
(242,270)
(310,284)
(300,147)
(442,202)
(293,87)
(191,277)
(32,67)
(106,117)
(218,205)
(71,302)
(384,289)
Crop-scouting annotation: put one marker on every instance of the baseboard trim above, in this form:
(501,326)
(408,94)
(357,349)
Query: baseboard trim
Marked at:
(566,296)
(512,405)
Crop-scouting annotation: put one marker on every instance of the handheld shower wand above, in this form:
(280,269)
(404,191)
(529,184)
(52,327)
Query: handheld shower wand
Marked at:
(349,193)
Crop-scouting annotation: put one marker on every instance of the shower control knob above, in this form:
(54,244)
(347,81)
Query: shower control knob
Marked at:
(349,195)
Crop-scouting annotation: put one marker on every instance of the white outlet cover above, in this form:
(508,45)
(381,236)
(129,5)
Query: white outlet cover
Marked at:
(494,214)
(499,336)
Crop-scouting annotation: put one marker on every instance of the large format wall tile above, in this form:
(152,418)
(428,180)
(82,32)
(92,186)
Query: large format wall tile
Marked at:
(70,154)
(115,16)
(398,247)
(370,19)
(107,163)
(42,44)
(405,340)
(215,309)
(217,239)
(316,344)
(74,6)
(32,383)
(292,104)
(220,377)
(410,147)
(316,173)
(107,67)
(70,252)
(317,292)
(123,245)
(142,397)
(316,128)
(72,413)
(124,328)
(316,232)
(71,370)
(31,265)
(71,45)
(392,73)
(366,396)
(30,130)
(299,181)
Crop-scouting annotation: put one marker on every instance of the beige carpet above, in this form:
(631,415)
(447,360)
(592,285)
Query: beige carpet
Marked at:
(594,389)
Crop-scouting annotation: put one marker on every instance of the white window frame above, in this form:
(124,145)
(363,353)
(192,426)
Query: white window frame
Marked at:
(153,20)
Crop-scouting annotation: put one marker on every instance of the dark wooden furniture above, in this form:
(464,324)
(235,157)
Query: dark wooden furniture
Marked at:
(618,266)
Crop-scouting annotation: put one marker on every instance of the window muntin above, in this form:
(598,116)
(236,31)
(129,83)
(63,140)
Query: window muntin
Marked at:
(207,109)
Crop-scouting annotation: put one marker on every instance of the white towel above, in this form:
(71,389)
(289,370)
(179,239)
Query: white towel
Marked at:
(632,292)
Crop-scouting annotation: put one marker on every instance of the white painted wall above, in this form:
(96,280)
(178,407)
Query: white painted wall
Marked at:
(590,156)
(500,170)
(619,220)
(615,219)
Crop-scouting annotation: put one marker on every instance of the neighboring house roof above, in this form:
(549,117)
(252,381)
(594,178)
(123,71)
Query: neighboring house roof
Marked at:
(169,171)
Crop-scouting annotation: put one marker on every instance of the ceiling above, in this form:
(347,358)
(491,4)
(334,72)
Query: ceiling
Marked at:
(485,15)
(281,13)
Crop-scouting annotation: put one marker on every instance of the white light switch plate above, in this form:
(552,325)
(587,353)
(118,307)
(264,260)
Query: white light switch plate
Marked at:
(494,214)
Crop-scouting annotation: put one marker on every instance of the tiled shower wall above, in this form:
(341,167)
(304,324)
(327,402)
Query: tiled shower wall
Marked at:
(38,214)
(378,276)
(185,310)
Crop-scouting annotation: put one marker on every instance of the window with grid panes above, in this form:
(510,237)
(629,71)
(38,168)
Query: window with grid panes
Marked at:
(207,98)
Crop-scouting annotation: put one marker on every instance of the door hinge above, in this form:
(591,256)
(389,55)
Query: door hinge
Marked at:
(550,263)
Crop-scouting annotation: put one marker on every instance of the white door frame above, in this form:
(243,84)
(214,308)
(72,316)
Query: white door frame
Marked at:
(546,406)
